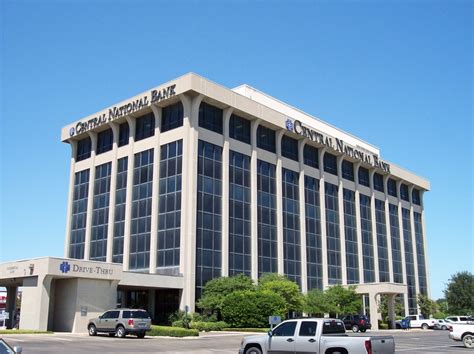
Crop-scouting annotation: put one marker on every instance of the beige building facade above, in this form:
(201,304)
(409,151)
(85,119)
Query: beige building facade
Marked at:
(191,180)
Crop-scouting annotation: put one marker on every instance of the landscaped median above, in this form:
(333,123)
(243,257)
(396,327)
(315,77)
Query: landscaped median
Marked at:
(23,331)
(167,331)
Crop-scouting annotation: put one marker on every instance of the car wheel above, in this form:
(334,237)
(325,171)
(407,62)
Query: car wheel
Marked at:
(355,328)
(443,328)
(363,330)
(141,335)
(397,326)
(253,350)
(467,340)
(425,326)
(92,330)
(112,334)
(121,332)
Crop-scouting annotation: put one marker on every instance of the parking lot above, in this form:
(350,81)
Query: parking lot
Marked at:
(413,341)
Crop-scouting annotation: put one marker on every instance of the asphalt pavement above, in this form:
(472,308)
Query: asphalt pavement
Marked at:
(407,342)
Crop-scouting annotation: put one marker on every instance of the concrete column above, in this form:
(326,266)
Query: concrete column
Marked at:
(70,197)
(113,187)
(254,200)
(359,225)
(155,190)
(374,227)
(304,269)
(11,306)
(389,231)
(128,205)
(374,311)
(225,194)
(189,198)
(342,231)
(90,196)
(391,310)
(413,242)
(322,203)
(425,248)
(402,245)
(279,202)
(35,303)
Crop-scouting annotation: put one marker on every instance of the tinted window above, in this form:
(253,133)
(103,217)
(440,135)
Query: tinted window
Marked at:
(289,147)
(239,129)
(210,117)
(308,329)
(172,117)
(404,192)
(378,182)
(135,314)
(104,141)
(266,138)
(392,187)
(124,133)
(348,170)
(330,163)
(83,149)
(364,177)
(145,127)
(333,327)
(310,155)
(286,329)
(415,195)
(111,314)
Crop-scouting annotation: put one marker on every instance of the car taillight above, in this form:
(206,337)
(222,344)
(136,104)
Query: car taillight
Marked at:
(362,322)
(130,322)
(450,328)
(368,346)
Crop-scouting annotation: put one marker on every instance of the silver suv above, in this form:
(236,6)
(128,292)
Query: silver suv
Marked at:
(121,322)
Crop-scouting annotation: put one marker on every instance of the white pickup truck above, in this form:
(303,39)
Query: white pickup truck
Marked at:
(462,332)
(317,336)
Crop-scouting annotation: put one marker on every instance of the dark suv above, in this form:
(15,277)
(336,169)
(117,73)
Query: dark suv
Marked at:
(357,323)
(121,322)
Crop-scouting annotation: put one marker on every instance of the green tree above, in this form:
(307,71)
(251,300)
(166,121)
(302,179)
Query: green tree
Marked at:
(427,306)
(284,287)
(316,303)
(442,309)
(217,289)
(251,308)
(383,307)
(344,301)
(459,293)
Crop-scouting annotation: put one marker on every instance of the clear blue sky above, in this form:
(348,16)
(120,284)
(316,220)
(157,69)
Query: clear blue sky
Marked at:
(397,74)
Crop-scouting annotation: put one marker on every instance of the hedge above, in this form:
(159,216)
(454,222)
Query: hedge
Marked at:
(167,331)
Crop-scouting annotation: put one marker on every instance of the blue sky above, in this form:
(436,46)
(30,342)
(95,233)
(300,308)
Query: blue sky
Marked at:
(397,74)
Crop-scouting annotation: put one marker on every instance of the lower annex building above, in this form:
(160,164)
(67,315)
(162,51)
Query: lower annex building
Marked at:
(190,181)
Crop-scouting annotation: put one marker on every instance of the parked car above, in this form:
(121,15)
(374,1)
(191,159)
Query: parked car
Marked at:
(441,324)
(315,335)
(458,319)
(462,332)
(417,321)
(121,322)
(357,323)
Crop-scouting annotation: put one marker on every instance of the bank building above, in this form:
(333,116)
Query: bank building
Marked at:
(190,181)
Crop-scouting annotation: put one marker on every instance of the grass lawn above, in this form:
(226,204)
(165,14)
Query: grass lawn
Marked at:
(168,331)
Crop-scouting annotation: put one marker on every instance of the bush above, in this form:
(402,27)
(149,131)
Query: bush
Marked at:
(172,332)
(252,308)
(209,326)
(383,325)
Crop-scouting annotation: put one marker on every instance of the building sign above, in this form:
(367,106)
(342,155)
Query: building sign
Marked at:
(337,145)
(154,96)
(66,267)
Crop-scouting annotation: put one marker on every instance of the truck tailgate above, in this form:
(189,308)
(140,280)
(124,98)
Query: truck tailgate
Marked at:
(382,344)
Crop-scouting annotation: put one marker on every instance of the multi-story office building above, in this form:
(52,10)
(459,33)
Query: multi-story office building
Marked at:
(191,181)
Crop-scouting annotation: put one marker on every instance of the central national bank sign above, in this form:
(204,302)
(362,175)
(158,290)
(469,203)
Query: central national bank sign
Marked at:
(336,144)
(154,96)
